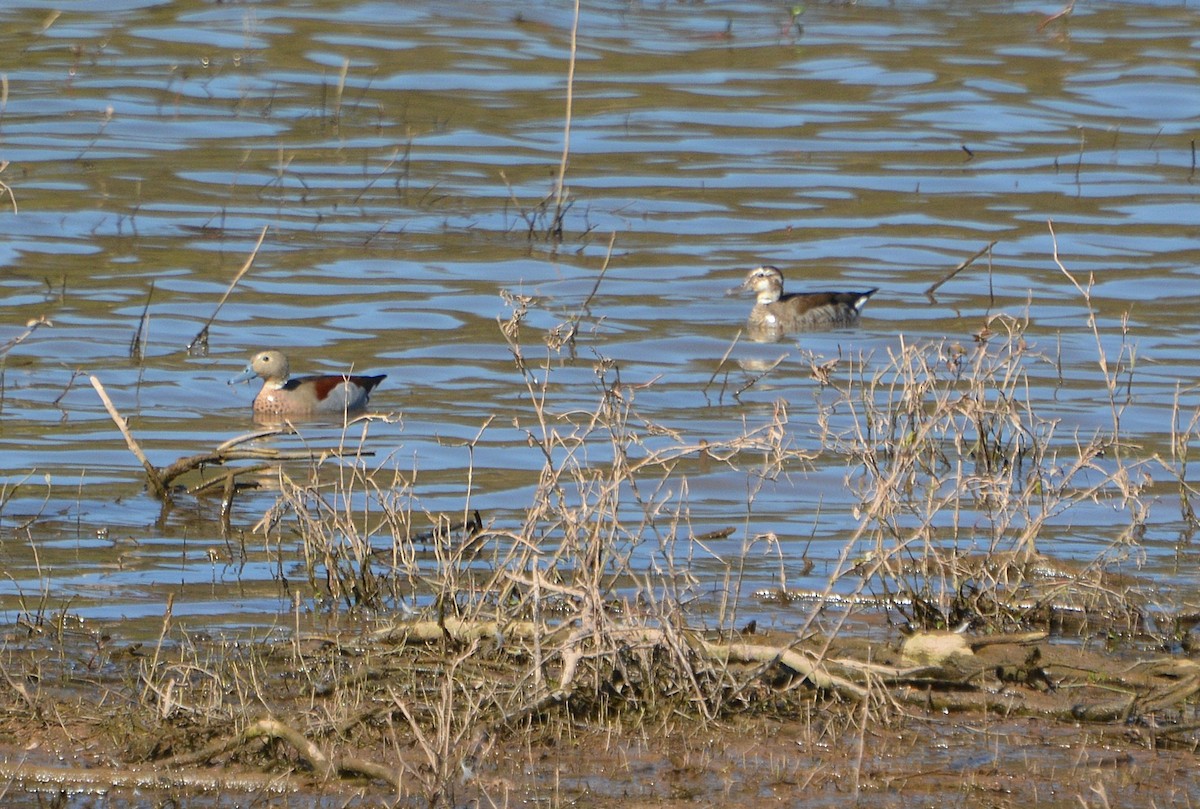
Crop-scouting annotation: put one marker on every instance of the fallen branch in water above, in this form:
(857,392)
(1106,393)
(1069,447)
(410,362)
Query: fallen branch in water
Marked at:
(160,480)
(152,476)
(229,451)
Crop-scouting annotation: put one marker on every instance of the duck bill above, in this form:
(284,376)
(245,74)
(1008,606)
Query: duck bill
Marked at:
(244,376)
(737,290)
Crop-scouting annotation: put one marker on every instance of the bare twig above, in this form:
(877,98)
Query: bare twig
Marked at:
(755,379)
(573,323)
(201,338)
(30,327)
(724,358)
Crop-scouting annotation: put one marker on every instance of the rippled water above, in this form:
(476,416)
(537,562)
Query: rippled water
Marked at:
(397,156)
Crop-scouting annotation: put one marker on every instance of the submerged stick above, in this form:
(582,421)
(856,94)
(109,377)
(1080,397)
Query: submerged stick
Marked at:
(137,346)
(156,484)
(201,337)
(1065,11)
(221,455)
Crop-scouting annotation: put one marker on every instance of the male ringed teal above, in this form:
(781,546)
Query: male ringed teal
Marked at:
(333,394)
(775,314)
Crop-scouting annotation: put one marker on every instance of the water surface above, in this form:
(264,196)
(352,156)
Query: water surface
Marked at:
(399,157)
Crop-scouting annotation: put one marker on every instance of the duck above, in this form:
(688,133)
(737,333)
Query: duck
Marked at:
(282,395)
(775,314)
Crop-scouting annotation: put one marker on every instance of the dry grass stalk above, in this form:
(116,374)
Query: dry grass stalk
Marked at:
(560,183)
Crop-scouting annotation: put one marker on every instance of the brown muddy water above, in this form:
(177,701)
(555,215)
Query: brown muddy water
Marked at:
(397,154)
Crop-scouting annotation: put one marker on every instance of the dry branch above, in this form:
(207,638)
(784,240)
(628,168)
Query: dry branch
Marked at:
(152,778)
(218,457)
(321,763)
(160,480)
(720,653)
(812,671)
(461,631)
(152,477)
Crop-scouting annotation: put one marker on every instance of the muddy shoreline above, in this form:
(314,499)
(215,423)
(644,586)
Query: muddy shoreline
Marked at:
(1049,722)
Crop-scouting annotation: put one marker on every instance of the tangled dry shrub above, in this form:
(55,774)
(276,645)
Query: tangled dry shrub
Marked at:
(957,472)
(572,611)
(959,475)
(564,610)
(543,615)
(533,627)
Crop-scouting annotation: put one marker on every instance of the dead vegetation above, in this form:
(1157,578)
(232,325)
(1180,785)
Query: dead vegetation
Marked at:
(433,655)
